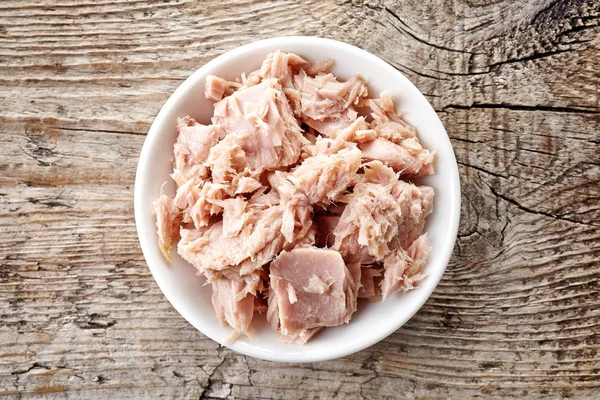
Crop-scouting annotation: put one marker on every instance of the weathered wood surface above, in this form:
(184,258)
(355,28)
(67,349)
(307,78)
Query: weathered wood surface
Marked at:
(517,85)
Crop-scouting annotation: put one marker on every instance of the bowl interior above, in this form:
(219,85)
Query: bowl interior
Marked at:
(178,281)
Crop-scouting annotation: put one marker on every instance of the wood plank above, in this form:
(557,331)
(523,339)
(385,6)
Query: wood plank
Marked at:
(516,85)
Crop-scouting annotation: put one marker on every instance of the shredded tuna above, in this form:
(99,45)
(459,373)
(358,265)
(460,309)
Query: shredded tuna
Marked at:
(326,175)
(234,306)
(214,247)
(409,157)
(216,88)
(404,267)
(263,133)
(292,204)
(167,222)
(192,148)
(197,201)
(377,217)
(324,100)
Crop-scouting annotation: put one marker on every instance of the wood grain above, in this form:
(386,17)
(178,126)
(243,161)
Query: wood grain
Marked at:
(517,85)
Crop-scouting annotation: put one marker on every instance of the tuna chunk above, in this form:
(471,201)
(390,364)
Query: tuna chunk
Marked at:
(252,282)
(358,131)
(282,66)
(354,286)
(395,132)
(234,306)
(383,110)
(322,66)
(310,288)
(409,158)
(377,172)
(323,98)
(397,144)
(378,217)
(216,88)
(258,240)
(263,133)
(331,126)
(247,184)
(196,201)
(192,148)
(227,160)
(273,67)
(167,222)
(303,237)
(264,200)
(247,236)
(318,180)
(324,177)
(297,210)
(300,336)
(235,215)
(404,267)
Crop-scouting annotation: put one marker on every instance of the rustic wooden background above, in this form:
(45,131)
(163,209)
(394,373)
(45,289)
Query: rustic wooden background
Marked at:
(517,85)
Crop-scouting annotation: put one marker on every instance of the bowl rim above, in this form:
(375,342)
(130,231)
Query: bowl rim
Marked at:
(193,80)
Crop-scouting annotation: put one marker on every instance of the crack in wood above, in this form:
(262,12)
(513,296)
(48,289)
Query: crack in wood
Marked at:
(532,57)
(485,171)
(536,212)
(406,31)
(99,131)
(518,107)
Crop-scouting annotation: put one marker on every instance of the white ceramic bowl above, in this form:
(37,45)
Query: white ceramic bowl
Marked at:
(185,291)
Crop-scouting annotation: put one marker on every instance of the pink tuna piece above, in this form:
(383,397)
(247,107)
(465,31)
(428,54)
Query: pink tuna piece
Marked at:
(247,184)
(397,144)
(196,201)
(383,110)
(354,286)
(317,180)
(235,215)
(322,66)
(358,131)
(326,100)
(234,306)
(394,131)
(216,88)
(282,67)
(192,148)
(297,210)
(377,172)
(307,240)
(309,288)
(262,132)
(324,177)
(227,160)
(404,267)
(409,158)
(252,282)
(377,217)
(331,126)
(258,240)
(167,222)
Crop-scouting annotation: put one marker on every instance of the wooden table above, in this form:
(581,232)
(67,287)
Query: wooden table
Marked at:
(517,85)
